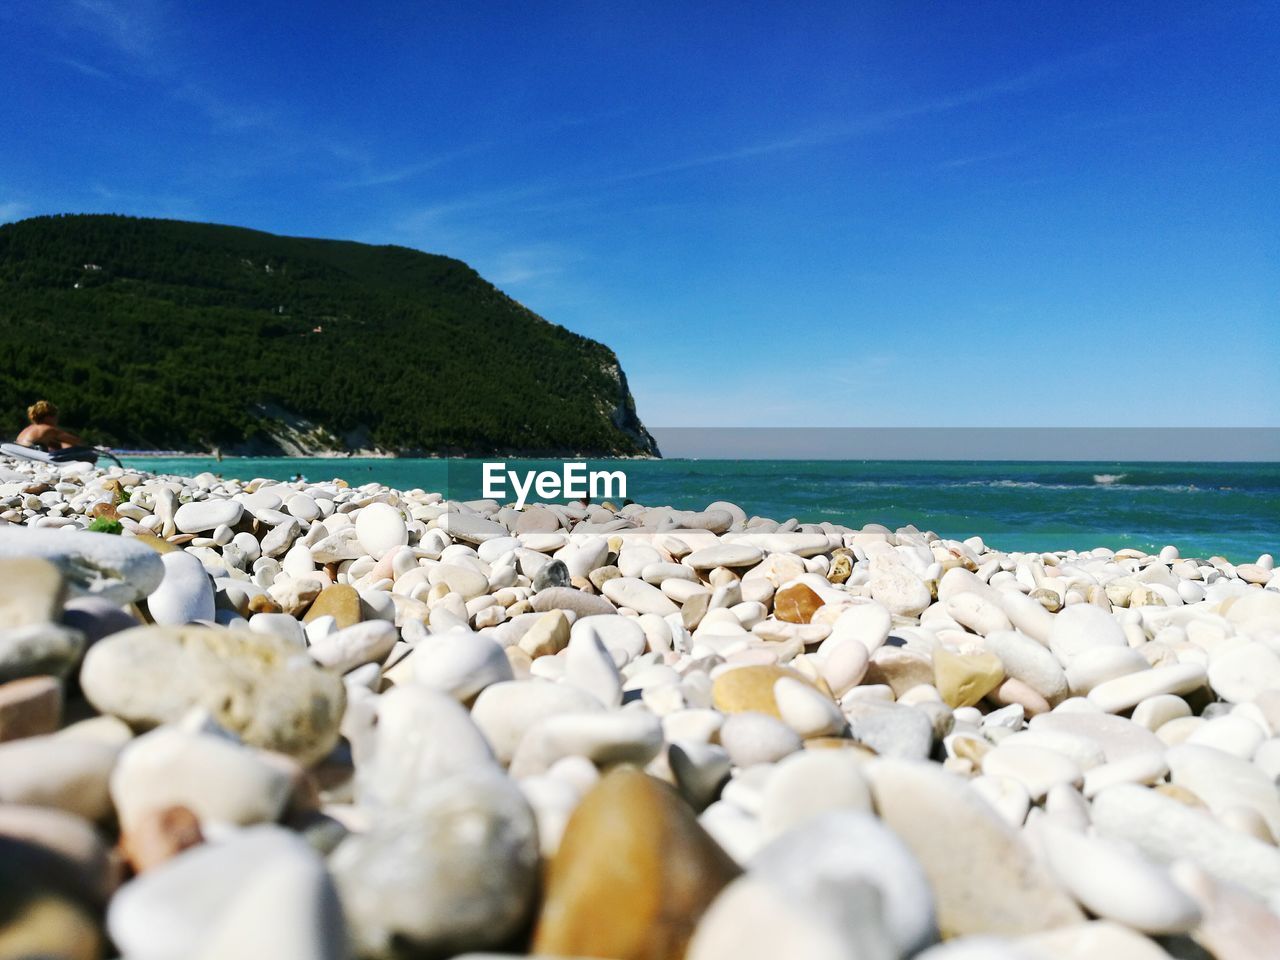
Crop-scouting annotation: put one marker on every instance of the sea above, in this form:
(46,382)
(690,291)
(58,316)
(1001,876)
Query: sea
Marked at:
(1204,509)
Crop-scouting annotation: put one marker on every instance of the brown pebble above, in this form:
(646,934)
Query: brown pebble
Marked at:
(29,707)
(262,603)
(634,873)
(158,835)
(796,603)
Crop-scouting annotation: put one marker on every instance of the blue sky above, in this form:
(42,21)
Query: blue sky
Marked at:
(777,214)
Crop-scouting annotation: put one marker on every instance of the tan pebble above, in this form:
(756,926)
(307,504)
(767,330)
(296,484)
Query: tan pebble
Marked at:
(340,601)
(750,688)
(599,577)
(964,679)
(841,568)
(548,635)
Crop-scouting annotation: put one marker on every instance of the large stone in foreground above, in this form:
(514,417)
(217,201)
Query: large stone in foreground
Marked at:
(633,875)
(453,869)
(984,878)
(119,569)
(262,688)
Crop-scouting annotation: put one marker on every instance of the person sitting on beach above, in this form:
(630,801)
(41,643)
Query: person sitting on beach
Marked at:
(44,432)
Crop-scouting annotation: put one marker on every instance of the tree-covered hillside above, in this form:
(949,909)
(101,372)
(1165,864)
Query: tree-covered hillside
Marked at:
(165,334)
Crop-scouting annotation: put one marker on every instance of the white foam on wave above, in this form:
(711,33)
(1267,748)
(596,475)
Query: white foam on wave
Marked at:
(1107,479)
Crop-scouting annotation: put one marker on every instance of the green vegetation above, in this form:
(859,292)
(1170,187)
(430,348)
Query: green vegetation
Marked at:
(106,525)
(186,336)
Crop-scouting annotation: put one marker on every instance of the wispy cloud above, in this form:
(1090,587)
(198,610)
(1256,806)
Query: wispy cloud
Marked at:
(877,121)
(523,265)
(88,69)
(132,28)
(411,171)
(225,114)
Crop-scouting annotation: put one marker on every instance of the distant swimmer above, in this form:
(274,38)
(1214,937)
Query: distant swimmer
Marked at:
(44,432)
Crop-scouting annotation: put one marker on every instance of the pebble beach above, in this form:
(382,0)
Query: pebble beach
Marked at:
(317,721)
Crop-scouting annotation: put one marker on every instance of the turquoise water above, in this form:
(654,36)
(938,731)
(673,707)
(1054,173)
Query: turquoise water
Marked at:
(1231,509)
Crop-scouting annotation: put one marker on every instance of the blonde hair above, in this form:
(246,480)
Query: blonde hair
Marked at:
(41,410)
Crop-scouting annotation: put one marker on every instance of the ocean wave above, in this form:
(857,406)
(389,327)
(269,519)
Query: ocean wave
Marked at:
(1107,479)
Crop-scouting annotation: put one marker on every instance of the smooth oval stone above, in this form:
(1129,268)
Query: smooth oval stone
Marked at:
(218,893)
(805,710)
(457,872)
(460,663)
(1166,830)
(471,528)
(506,711)
(1029,661)
(891,729)
(1036,768)
(380,528)
(633,874)
(185,594)
(633,735)
(217,779)
(1080,627)
(303,507)
(899,590)
(1146,768)
(461,580)
(576,601)
(639,596)
(1126,692)
(1222,781)
(867,623)
(956,836)
(724,555)
(1245,672)
(752,738)
(801,544)
(67,773)
(621,634)
(201,515)
(753,920)
(1117,737)
(115,568)
(809,784)
(422,736)
(356,645)
(1096,666)
(260,687)
(821,860)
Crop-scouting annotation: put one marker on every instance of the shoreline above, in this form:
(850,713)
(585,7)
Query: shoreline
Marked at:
(387,696)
